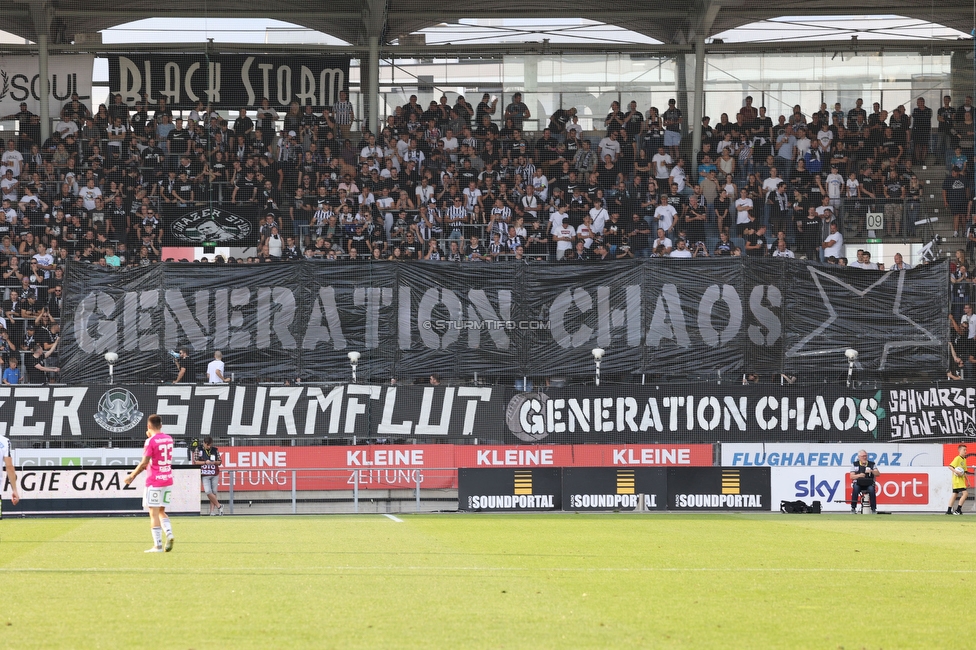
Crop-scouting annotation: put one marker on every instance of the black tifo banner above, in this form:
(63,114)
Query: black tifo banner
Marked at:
(694,413)
(671,318)
(212,226)
(229,81)
(608,488)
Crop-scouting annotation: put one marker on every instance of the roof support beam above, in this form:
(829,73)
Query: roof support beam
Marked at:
(479,50)
(706,16)
(374,28)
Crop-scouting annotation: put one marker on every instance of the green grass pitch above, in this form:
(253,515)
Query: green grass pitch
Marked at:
(491,581)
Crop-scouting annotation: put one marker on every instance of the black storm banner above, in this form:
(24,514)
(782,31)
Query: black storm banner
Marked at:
(229,81)
(668,319)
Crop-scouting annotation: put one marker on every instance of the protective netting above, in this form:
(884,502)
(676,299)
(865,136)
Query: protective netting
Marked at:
(468,227)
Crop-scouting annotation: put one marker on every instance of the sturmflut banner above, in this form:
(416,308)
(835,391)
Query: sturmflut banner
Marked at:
(20,81)
(672,318)
(691,414)
(229,81)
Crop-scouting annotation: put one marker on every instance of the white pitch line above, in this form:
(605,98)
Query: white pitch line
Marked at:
(396,519)
(320,570)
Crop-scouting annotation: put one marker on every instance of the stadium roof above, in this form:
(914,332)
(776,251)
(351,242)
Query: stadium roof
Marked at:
(388,20)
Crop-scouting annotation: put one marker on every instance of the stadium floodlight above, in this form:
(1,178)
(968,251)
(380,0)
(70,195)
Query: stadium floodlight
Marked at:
(354,362)
(597,357)
(111,358)
(851,355)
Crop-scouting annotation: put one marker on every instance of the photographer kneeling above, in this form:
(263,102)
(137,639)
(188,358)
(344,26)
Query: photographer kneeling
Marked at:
(863,477)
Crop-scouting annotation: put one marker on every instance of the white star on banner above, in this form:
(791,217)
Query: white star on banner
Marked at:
(926,338)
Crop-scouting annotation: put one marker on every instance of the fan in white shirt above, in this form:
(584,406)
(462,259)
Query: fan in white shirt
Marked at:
(825,136)
(89,194)
(424,192)
(782,250)
(771,183)
(599,215)
(13,159)
(662,164)
(662,240)
(678,176)
(665,215)
(681,251)
(472,196)
(563,234)
(585,232)
(834,183)
(450,144)
(743,208)
(833,246)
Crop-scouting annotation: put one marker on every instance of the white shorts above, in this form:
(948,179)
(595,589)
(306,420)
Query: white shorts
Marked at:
(157,497)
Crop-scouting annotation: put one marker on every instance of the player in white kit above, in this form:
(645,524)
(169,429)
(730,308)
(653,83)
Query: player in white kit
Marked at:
(8,462)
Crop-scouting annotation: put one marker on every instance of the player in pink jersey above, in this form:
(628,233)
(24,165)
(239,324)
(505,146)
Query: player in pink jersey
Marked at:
(157,456)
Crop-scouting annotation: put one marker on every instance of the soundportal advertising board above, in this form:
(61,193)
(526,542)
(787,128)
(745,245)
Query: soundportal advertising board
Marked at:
(687,489)
(609,488)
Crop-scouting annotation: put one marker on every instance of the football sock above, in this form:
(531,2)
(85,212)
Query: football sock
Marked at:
(168,527)
(157,536)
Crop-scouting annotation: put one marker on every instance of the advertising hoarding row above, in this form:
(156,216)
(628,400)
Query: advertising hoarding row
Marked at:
(593,477)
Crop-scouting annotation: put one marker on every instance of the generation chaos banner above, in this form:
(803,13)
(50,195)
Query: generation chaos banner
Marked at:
(663,318)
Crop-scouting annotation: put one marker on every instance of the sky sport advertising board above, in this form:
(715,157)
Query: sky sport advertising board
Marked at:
(904,489)
(608,488)
(510,490)
(94,490)
(829,455)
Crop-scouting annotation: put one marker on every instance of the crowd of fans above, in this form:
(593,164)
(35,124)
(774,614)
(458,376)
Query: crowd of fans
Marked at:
(463,182)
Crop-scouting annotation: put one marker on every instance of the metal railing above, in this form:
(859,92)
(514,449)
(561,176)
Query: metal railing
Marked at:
(264,490)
